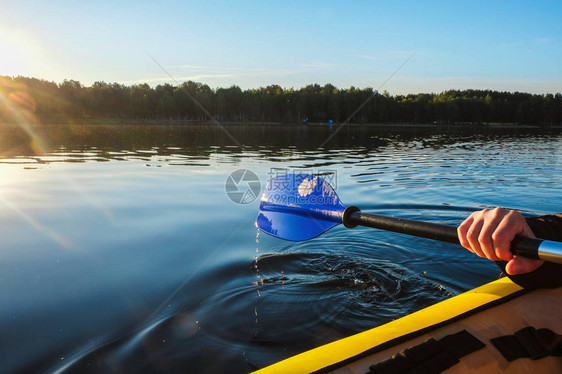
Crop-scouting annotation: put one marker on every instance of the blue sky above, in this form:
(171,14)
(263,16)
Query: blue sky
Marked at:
(501,45)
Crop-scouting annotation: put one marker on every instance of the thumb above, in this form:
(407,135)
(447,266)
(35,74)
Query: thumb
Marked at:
(522,265)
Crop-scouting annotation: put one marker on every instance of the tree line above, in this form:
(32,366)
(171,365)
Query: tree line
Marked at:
(50,102)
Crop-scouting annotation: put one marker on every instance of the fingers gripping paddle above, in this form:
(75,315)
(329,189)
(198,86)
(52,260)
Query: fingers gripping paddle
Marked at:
(301,206)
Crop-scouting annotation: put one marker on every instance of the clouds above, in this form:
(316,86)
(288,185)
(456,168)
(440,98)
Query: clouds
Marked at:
(406,84)
(219,76)
(343,71)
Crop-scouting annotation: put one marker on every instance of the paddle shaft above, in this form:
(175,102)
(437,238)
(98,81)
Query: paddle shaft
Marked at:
(520,246)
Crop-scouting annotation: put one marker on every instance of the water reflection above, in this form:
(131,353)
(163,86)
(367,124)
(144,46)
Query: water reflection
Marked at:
(202,145)
(122,252)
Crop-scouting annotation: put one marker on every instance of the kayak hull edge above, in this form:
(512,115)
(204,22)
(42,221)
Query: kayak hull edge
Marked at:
(498,308)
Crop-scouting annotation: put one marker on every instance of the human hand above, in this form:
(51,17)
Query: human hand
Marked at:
(488,233)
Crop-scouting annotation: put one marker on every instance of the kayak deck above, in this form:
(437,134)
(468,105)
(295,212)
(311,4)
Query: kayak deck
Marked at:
(492,310)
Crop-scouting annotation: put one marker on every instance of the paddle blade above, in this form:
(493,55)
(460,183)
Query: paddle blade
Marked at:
(299,207)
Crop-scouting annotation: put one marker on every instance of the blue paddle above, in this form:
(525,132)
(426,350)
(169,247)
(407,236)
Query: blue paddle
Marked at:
(299,207)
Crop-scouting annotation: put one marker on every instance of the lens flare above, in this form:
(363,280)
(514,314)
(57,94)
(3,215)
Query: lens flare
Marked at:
(17,106)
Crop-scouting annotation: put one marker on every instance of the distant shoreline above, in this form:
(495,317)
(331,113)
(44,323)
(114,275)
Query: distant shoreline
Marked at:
(36,101)
(156,122)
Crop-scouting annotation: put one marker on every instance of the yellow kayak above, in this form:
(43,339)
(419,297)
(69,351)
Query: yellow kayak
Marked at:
(496,327)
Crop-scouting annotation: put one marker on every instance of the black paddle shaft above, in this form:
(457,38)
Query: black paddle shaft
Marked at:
(353,217)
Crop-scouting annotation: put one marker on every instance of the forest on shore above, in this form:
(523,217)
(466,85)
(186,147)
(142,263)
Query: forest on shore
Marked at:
(49,102)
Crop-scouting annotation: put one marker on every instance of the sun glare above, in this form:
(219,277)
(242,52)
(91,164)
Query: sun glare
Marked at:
(16,53)
(22,52)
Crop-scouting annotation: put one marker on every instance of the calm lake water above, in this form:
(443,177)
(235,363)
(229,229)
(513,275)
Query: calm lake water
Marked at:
(122,252)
